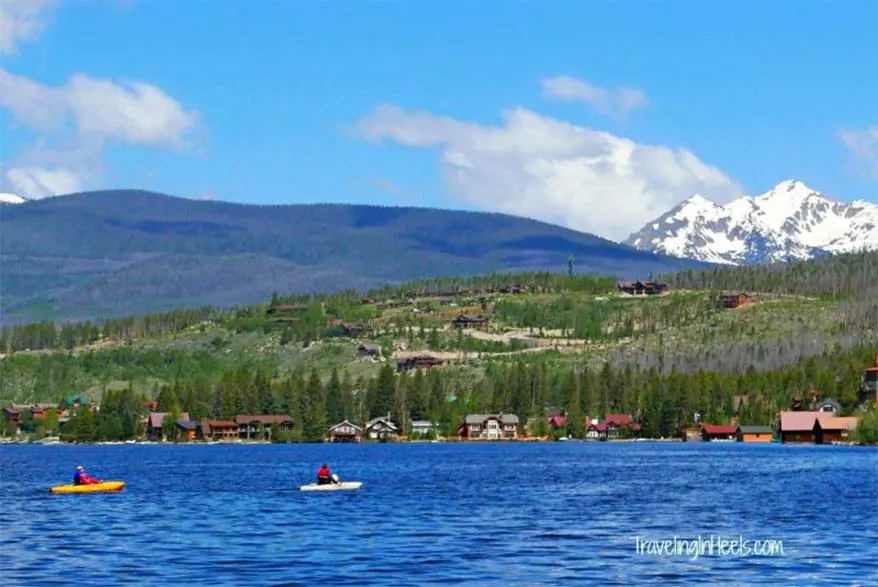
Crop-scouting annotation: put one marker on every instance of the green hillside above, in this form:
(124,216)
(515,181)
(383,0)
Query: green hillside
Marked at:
(551,341)
(123,252)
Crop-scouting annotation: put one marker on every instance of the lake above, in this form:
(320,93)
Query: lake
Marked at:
(447,514)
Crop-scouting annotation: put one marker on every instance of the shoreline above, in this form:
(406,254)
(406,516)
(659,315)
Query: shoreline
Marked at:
(58,442)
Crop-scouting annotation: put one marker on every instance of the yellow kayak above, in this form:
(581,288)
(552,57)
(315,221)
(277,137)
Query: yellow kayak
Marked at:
(97,488)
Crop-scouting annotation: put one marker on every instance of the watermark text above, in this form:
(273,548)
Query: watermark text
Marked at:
(713,545)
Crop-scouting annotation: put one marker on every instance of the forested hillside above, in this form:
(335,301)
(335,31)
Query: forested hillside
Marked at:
(532,342)
(113,253)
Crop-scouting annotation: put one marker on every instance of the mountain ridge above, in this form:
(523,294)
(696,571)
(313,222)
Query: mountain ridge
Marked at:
(109,253)
(789,222)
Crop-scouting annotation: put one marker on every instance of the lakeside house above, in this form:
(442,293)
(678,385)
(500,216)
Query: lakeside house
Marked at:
(381,428)
(187,429)
(596,431)
(620,425)
(489,427)
(829,429)
(797,427)
(755,434)
(424,428)
(259,426)
(345,431)
(558,422)
(218,429)
(155,422)
(719,432)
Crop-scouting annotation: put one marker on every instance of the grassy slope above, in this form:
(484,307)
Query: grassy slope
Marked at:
(115,253)
(777,331)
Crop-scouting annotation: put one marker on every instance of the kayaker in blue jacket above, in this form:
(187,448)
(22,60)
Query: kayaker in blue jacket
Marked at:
(80,477)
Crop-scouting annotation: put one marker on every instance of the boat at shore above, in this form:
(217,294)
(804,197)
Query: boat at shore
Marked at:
(343,486)
(103,487)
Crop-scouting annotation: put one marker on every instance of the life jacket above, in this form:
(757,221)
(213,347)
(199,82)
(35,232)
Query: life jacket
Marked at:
(77,477)
(323,473)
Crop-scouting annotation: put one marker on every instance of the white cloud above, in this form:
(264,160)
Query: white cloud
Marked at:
(552,170)
(863,145)
(77,120)
(616,103)
(131,112)
(20,20)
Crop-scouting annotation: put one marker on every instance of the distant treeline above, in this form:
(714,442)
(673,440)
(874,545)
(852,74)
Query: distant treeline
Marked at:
(661,403)
(839,276)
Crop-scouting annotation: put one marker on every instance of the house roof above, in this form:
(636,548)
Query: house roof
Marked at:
(557,420)
(797,421)
(156,418)
(599,427)
(186,424)
(836,422)
(263,419)
(481,418)
(756,429)
(618,419)
(345,423)
(380,420)
(719,429)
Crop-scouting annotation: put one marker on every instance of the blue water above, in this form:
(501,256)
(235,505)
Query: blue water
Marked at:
(455,514)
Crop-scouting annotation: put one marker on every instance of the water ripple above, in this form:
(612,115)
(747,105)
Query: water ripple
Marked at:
(503,514)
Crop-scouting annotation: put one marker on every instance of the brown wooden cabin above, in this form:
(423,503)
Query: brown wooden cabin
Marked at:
(640,288)
(797,427)
(828,429)
(418,362)
(469,321)
(737,299)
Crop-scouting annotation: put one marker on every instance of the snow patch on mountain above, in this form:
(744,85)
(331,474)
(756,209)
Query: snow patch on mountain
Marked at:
(789,222)
(7,198)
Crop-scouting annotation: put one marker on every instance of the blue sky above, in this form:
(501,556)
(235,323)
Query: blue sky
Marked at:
(281,101)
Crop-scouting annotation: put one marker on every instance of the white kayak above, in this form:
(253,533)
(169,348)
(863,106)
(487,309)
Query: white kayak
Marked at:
(343,486)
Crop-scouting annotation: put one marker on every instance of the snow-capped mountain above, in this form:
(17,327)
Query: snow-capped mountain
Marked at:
(789,222)
(6,198)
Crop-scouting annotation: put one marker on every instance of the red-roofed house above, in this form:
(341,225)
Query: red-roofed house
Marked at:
(557,421)
(797,427)
(620,425)
(715,432)
(596,432)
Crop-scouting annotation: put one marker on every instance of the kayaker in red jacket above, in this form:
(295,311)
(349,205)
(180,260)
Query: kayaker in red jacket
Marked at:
(81,478)
(324,477)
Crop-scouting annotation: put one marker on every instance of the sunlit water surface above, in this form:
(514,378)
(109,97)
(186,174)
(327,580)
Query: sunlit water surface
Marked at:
(449,514)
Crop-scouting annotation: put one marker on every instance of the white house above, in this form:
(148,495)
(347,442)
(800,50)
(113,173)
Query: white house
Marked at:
(381,428)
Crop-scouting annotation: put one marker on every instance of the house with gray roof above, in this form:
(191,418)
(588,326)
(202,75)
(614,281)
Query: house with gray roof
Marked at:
(489,427)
